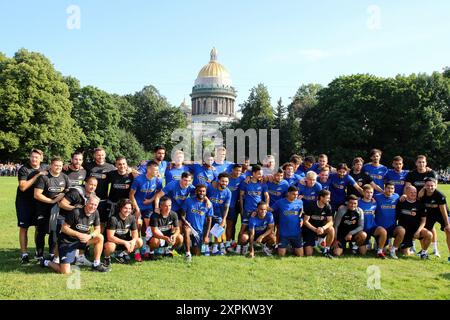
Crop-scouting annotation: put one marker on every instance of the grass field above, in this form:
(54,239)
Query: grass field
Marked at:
(227,277)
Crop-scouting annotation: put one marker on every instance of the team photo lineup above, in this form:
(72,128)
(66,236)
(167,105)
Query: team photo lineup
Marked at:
(96,214)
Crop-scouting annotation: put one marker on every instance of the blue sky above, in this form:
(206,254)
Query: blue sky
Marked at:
(122,46)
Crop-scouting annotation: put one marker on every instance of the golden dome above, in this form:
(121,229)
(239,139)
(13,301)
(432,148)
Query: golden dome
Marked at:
(213,72)
(213,69)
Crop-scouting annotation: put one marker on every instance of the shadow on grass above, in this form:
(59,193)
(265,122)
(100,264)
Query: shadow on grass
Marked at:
(10,262)
(445,276)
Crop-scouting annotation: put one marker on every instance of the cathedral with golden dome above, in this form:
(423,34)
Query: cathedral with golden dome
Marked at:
(213,96)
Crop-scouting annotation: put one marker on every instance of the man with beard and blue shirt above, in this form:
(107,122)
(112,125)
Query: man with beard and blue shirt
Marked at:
(251,194)
(25,202)
(397,176)
(288,217)
(375,169)
(220,196)
(196,213)
(277,187)
(159,154)
(386,217)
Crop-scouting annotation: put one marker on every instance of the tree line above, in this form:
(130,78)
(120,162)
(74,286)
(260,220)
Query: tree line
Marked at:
(406,115)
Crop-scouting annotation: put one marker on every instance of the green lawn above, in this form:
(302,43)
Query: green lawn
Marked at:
(227,277)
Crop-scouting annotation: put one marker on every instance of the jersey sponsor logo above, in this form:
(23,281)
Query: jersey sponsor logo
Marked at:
(55,189)
(204,179)
(310,197)
(61,183)
(121,186)
(275,192)
(397,182)
(166,228)
(387,206)
(254,193)
(376,176)
(338,186)
(408,212)
(431,205)
(261,228)
(291,212)
(122,231)
(419,183)
(350,222)
(197,211)
(318,218)
(100,176)
(216,200)
(369,212)
(180,197)
(82,227)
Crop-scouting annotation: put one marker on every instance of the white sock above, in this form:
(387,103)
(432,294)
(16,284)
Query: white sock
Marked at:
(96,263)
(380,251)
(25,254)
(188,254)
(393,249)
(215,247)
(46,262)
(435,246)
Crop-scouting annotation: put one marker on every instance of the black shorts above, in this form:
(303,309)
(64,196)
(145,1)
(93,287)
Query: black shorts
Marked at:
(342,243)
(26,214)
(43,221)
(103,211)
(431,220)
(309,237)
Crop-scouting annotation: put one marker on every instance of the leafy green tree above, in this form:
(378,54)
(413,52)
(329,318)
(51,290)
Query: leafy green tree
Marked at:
(35,108)
(155,119)
(130,148)
(257,112)
(95,112)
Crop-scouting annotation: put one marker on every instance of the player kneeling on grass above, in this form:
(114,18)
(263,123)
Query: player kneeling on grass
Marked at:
(195,213)
(288,215)
(318,222)
(348,226)
(261,229)
(122,234)
(75,235)
(411,217)
(165,229)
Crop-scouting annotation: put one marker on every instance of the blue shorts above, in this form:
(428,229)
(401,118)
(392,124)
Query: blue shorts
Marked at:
(67,251)
(145,214)
(296,242)
(26,214)
(245,216)
(233,214)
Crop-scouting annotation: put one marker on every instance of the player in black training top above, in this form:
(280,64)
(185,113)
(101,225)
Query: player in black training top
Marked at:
(120,181)
(417,178)
(165,229)
(361,177)
(436,209)
(48,191)
(99,169)
(318,222)
(81,228)
(122,234)
(411,216)
(25,202)
(349,226)
(75,172)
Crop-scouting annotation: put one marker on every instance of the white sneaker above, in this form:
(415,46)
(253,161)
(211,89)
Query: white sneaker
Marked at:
(82,261)
(238,249)
(56,260)
(215,250)
(245,250)
(267,251)
(222,249)
(436,253)
(392,254)
(188,257)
